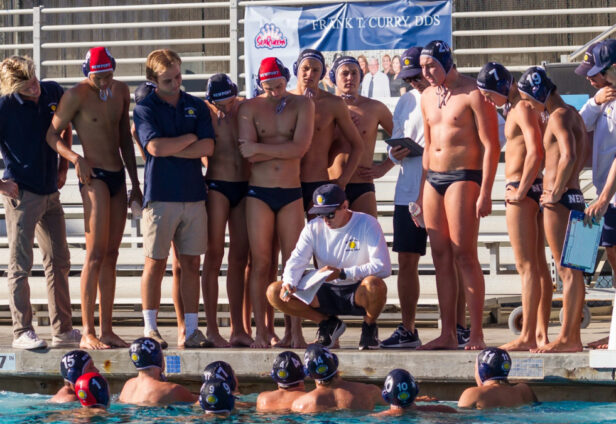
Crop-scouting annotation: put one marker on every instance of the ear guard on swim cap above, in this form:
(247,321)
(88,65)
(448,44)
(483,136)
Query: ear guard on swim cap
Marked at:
(536,83)
(287,369)
(216,396)
(143,90)
(400,388)
(222,371)
(439,51)
(98,59)
(146,352)
(310,54)
(220,87)
(496,78)
(319,363)
(344,60)
(72,365)
(493,364)
(92,390)
(272,68)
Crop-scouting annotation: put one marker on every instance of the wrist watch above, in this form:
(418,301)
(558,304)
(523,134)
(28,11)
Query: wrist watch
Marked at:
(342,275)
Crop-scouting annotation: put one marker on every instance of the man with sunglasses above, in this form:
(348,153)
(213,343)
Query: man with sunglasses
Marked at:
(349,244)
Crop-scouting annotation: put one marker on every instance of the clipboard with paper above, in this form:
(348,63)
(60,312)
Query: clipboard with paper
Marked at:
(309,285)
(581,243)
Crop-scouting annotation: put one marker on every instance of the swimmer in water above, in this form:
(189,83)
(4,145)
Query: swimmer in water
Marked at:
(93,391)
(73,365)
(288,373)
(493,390)
(223,371)
(332,392)
(400,392)
(150,388)
(216,397)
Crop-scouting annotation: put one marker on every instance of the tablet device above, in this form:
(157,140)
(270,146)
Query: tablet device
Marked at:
(409,143)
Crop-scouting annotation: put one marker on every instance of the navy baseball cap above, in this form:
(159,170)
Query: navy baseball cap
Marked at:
(326,199)
(410,63)
(604,55)
(588,61)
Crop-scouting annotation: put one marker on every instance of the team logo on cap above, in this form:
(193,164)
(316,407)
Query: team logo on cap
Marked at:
(134,357)
(270,37)
(586,57)
(403,396)
(211,399)
(506,366)
(322,369)
(82,394)
(407,61)
(320,199)
(282,373)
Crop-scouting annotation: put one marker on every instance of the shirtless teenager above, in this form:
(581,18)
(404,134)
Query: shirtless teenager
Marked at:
(73,365)
(564,142)
(330,114)
(332,392)
(288,373)
(227,181)
(275,130)
(493,390)
(98,107)
(150,387)
(367,114)
(523,162)
(460,157)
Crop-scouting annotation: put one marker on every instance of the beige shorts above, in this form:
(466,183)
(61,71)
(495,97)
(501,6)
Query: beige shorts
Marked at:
(184,223)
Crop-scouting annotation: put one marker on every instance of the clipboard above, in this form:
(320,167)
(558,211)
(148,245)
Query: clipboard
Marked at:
(310,283)
(581,243)
(409,143)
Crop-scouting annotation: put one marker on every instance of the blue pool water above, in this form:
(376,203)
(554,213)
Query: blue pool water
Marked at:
(20,408)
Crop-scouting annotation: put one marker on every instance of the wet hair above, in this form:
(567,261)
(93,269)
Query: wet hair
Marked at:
(158,61)
(15,72)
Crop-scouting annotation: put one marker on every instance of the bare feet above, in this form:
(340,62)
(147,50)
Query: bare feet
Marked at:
(241,340)
(559,346)
(286,341)
(440,343)
(89,341)
(542,340)
(599,344)
(475,343)
(260,342)
(113,340)
(519,344)
(218,340)
(298,342)
(273,338)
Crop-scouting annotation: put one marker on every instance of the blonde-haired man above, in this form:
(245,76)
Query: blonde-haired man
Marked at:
(175,131)
(98,107)
(32,177)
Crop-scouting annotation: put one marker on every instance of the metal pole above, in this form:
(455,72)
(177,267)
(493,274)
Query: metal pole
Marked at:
(233,47)
(36,39)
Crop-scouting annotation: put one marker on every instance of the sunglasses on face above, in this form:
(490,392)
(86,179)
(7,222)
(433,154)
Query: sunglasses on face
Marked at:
(413,79)
(329,215)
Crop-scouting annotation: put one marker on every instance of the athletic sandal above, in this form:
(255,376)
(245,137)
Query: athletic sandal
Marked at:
(198,340)
(329,331)
(154,334)
(369,336)
(402,338)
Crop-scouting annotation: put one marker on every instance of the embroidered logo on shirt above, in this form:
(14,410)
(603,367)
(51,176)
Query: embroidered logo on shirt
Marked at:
(352,245)
(190,112)
(52,107)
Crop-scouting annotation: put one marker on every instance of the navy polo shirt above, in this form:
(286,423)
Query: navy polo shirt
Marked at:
(28,159)
(172,179)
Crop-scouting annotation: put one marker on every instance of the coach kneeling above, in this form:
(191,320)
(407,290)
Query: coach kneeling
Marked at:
(352,246)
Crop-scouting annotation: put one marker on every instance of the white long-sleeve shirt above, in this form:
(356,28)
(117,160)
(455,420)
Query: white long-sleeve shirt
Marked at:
(602,120)
(359,247)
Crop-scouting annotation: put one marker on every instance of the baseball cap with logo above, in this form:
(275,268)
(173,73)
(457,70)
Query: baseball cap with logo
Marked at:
(604,55)
(410,63)
(587,61)
(326,199)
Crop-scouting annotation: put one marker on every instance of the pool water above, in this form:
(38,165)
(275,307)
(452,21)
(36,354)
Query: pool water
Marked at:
(21,408)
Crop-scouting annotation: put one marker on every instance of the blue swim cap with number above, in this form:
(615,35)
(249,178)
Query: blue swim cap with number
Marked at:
(320,363)
(221,370)
(216,397)
(145,353)
(493,364)
(73,365)
(400,388)
(535,83)
(439,50)
(287,370)
(496,78)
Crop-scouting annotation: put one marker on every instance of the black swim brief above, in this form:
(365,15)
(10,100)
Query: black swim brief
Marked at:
(535,190)
(308,190)
(337,299)
(234,191)
(114,180)
(354,190)
(573,199)
(442,180)
(275,197)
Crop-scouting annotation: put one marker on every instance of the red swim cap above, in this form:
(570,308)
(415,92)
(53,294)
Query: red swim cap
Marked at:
(272,68)
(98,60)
(92,390)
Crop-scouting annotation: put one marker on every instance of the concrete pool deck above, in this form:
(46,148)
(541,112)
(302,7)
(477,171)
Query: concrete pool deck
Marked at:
(445,374)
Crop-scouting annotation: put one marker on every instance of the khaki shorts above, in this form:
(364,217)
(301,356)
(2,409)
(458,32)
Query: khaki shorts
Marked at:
(184,223)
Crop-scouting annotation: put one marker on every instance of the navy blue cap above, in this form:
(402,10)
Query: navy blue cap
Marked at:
(493,364)
(439,50)
(221,370)
(143,90)
(400,388)
(326,199)
(604,55)
(410,63)
(309,54)
(344,60)
(496,78)
(320,363)
(287,370)
(73,364)
(220,87)
(216,397)
(145,353)
(536,83)
(588,61)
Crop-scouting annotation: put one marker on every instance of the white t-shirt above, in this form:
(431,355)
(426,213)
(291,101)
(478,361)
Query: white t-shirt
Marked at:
(380,85)
(602,120)
(359,247)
